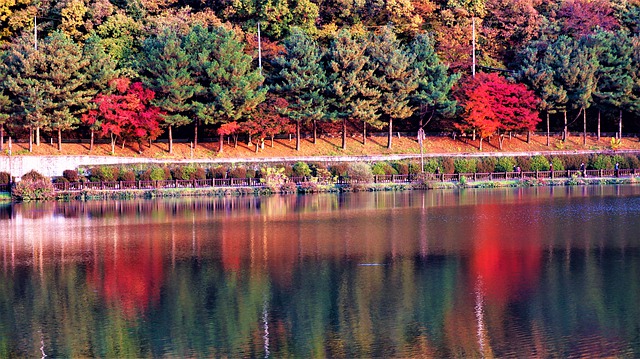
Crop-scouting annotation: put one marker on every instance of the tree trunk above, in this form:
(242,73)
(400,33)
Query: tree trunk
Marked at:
(620,126)
(235,141)
(547,128)
(473,137)
(221,143)
(272,136)
(297,135)
(480,147)
(30,139)
(91,142)
(113,144)
(257,144)
(195,135)
(389,141)
(1,138)
(598,125)
(584,126)
(500,140)
(565,134)
(364,133)
(59,140)
(344,134)
(315,132)
(529,136)
(38,136)
(170,139)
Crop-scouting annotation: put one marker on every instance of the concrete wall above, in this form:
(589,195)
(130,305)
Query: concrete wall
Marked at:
(54,165)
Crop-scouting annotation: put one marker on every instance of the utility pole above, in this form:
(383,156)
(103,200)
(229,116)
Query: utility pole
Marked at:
(35,32)
(473,46)
(259,50)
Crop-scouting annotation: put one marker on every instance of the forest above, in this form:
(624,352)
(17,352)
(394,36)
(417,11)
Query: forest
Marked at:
(133,71)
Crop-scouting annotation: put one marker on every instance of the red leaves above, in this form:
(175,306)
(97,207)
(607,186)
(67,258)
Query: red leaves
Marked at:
(127,112)
(492,103)
(582,17)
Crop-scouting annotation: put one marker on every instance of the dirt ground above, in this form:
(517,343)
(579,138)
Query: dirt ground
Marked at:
(326,147)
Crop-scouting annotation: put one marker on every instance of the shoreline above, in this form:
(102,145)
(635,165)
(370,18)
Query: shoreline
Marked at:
(264,191)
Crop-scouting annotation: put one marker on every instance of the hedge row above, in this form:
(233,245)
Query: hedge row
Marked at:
(346,169)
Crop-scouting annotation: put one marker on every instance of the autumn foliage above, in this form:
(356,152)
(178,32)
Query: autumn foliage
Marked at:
(126,113)
(492,104)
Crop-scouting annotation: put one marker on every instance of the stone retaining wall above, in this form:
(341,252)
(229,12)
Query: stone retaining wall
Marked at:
(52,166)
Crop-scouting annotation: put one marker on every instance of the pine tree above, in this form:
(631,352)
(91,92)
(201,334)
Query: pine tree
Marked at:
(233,88)
(100,71)
(535,71)
(395,79)
(351,93)
(433,94)
(166,68)
(614,80)
(301,78)
(575,68)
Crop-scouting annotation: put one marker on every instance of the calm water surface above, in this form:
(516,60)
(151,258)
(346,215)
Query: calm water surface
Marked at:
(547,272)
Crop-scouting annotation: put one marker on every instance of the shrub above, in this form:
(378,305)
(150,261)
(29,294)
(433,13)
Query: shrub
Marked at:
(103,174)
(620,160)
(572,162)
(71,175)
(5,178)
(273,178)
(465,165)
(127,175)
(219,172)
(601,162)
(200,173)
(505,164)
(33,190)
(251,173)
(415,167)
(288,170)
(158,174)
(558,165)
(289,187)
(383,168)
(448,165)
(360,172)
(238,172)
(524,163)
(632,161)
(301,169)
(317,167)
(401,168)
(539,163)
(33,176)
(487,164)
(184,172)
(431,164)
(339,169)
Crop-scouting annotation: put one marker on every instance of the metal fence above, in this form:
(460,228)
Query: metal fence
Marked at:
(399,179)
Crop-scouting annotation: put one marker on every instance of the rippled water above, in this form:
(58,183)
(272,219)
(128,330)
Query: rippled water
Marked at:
(547,272)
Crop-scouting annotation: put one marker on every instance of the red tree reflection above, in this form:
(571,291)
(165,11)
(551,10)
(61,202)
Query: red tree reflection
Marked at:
(131,275)
(507,259)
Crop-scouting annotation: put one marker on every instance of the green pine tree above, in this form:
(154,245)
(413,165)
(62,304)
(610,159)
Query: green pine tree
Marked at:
(614,73)
(395,79)
(536,71)
(233,87)
(301,79)
(433,94)
(99,73)
(166,69)
(351,92)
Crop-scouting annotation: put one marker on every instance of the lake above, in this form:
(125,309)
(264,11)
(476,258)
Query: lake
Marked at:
(509,272)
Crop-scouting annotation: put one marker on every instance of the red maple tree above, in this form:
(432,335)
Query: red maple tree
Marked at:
(492,104)
(268,120)
(126,113)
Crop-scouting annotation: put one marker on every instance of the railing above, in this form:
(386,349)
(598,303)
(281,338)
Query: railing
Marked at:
(410,178)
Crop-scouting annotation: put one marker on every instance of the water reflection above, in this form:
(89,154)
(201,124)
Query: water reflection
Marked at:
(505,272)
